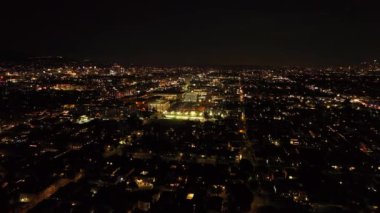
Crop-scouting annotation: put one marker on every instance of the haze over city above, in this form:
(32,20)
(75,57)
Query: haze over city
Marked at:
(195,32)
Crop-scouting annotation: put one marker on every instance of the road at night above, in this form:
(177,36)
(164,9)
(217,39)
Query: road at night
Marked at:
(49,191)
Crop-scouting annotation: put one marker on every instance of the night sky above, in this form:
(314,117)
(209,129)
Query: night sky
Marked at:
(195,33)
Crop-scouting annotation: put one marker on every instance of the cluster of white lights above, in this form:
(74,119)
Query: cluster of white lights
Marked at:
(184,115)
(188,115)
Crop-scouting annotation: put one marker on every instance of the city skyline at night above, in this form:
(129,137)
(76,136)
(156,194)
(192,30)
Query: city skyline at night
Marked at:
(190,106)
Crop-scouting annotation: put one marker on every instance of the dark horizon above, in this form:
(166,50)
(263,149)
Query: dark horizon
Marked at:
(318,33)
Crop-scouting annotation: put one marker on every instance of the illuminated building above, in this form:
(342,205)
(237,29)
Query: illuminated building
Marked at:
(190,97)
(159,105)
